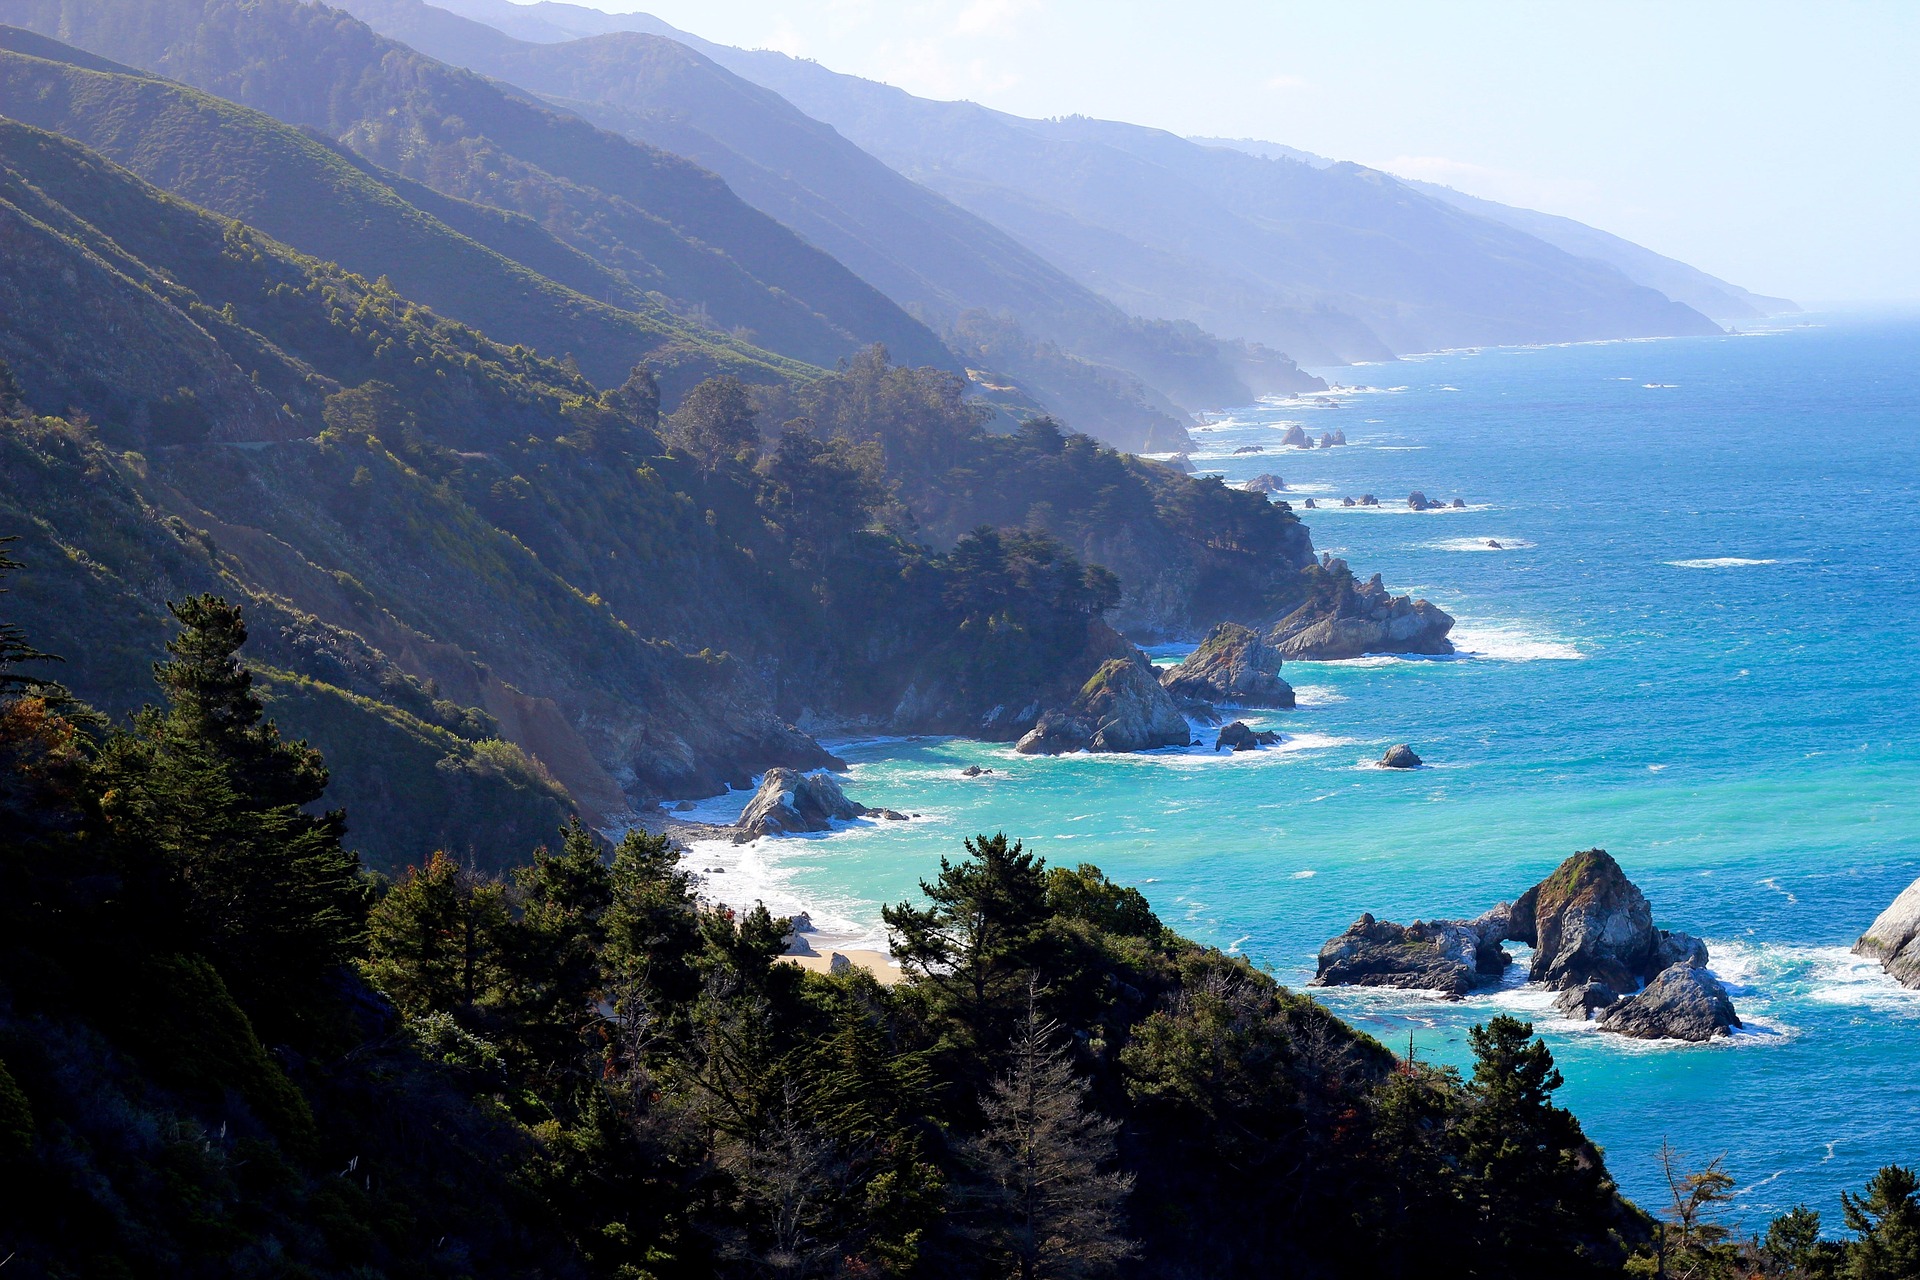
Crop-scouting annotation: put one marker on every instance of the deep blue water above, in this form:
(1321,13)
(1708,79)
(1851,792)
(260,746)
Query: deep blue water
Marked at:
(1695,651)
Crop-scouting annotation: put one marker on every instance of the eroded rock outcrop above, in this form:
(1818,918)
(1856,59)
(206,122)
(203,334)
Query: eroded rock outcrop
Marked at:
(1349,620)
(1448,956)
(1400,756)
(1265,482)
(1594,943)
(1233,665)
(789,801)
(1121,707)
(1894,938)
(1588,923)
(1296,438)
(1681,1003)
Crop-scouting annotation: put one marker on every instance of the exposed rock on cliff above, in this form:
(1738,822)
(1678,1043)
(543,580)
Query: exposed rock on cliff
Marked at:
(1894,938)
(1681,1003)
(1344,620)
(1238,737)
(1449,956)
(1233,665)
(1400,757)
(1588,923)
(789,801)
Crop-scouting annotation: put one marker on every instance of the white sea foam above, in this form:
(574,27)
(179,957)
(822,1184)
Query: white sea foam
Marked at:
(1303,875)
(1497,643)
(1477,544)
(1717,562)
(1316,695)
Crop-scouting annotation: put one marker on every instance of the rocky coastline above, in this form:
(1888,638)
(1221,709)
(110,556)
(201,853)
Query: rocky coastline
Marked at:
(1894,938)
(1594,943)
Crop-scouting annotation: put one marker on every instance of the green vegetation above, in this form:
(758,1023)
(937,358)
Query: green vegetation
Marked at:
(582,1070)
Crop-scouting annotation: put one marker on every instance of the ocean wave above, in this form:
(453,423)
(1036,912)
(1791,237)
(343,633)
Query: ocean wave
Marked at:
(1717,562)
(1477,544)
(1512,644)
(1316,695)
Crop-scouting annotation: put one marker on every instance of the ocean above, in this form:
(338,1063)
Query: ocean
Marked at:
(1694,648)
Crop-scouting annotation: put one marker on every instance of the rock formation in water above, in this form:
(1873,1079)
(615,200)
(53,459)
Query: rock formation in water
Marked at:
(1588,923)
(1368,500)
(1400,757)
(1345,620)
(1448,956)
(1309,504)
(789,801)
(1239,737)
(1250,448)
(1681,1003)
(1233,665)
(1594,943)
(1121,707)
(1418,501)
(1894,938)
(1459,504)
(1296,438)
(1265,482)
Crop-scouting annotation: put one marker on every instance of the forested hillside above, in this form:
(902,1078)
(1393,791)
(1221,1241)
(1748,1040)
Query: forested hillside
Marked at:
(473,563)
(666,228)
(579,1069)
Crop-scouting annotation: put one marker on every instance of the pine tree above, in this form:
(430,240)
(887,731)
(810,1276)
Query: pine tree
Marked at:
(436,942)
(205,804)
(1540,1192)
(1886,1220)
(980,936)
(1056,1209)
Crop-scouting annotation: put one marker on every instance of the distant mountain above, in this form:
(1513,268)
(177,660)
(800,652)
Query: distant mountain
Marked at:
(1331,263)
(329,202)
(665,227)
(1709,295)
(923,251)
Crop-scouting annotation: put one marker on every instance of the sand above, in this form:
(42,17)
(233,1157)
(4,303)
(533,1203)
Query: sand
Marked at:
(879,963)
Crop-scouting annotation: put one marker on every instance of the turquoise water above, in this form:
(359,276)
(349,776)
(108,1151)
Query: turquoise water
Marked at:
(1695,651)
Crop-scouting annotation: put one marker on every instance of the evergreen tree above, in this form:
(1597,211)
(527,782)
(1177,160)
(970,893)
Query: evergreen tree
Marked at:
(1886,1221)
(1056,1207)
(1540,1194)
(984,929)
(437,942)
(715,422)
(204,801)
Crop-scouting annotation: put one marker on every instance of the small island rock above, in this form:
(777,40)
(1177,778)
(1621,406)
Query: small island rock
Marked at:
(1400,757)
(1448,956)
(1238,737)
(1418,501)
(1580,1003)
(789,801)
(1232,665)
(1681,1003)
(1296,438)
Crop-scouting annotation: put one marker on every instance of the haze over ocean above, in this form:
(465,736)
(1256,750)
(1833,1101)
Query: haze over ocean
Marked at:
(1694,649)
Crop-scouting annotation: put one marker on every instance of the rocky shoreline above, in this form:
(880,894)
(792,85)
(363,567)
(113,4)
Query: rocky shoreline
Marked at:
(1594,943)
(1894,938)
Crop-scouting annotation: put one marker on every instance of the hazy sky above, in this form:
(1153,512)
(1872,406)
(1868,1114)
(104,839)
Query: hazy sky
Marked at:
(1770,143)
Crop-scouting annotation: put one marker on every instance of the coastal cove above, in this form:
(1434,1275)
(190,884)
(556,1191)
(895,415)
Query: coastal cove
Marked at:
(1692,647)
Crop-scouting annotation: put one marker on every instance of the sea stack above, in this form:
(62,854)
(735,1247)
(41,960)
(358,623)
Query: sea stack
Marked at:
(1233,665)
(789,801)
(1400,757)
